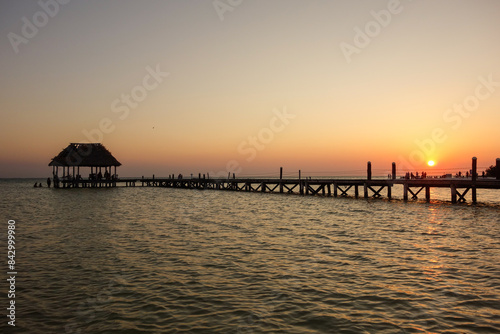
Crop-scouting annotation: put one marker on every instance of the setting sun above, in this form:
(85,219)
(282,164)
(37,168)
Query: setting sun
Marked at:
(431,163)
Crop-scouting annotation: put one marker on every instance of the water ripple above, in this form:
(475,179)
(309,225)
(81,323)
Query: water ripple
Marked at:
(178,261)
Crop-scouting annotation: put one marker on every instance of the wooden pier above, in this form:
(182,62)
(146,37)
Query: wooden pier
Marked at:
(335,187)
(375,188)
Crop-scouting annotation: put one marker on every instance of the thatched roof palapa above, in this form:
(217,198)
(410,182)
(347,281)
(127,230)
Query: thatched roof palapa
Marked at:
(85,155)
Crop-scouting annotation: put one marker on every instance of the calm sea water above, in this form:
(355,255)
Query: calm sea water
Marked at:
(157,260)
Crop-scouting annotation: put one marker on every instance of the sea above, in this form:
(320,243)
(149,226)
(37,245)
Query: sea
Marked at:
(163,260)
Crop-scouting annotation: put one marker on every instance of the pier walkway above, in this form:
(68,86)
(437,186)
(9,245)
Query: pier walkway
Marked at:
(365,188)
(370,187)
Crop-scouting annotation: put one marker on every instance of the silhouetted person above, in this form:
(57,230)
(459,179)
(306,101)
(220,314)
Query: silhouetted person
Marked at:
(36,185)
(48,182)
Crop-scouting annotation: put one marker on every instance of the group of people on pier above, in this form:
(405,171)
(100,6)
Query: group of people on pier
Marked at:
(412,176)
(77,178)
(99,176)
(468,174)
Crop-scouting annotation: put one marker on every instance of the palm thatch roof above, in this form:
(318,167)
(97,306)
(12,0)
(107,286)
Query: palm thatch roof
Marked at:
(85,155)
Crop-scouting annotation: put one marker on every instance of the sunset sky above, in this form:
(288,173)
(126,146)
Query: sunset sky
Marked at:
(251,85)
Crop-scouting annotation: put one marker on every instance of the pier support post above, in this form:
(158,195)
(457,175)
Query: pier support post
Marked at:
(393,170)
(474,169)
(301,186)
(453,193)
(329,189)
(498,169)
(281,180)
(335,190)
(474,178)
(369,171)
(405,191)
(428,194)
(365,186)
(389,191)
(356,191)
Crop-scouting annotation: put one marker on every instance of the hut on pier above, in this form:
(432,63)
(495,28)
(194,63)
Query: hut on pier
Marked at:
(90,155)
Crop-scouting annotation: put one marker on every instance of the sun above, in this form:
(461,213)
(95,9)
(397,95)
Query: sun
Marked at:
(431,163)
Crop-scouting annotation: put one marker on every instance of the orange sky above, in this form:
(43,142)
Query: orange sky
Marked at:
(181,87)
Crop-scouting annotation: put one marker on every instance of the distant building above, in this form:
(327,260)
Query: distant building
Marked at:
(77,155)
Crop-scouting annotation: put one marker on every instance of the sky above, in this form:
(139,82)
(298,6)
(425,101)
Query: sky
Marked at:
(249,86)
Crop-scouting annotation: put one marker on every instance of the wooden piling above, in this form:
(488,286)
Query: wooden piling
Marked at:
(356,191)
(335,189)
(281,180)
(474,169)
(405,191)
(393,170)
(427,194)
(474,178)
(369,171)
(365,188)
(453,193)
(498,169)
(301,186)
(389,191)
